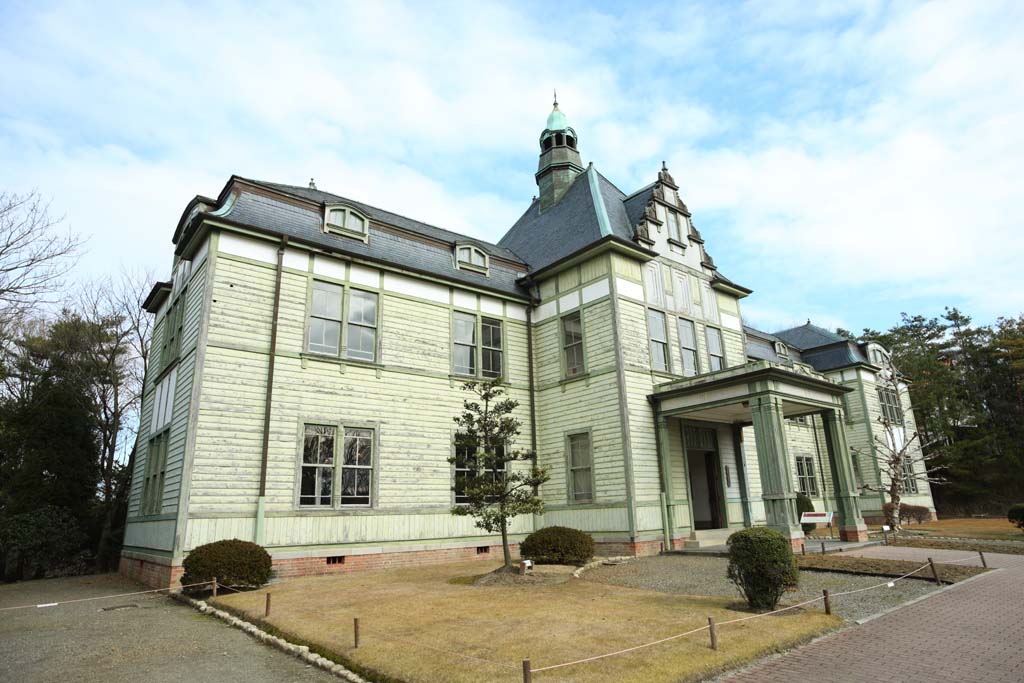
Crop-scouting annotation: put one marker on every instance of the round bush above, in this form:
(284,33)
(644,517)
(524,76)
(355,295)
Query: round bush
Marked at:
(762,566)
(805,504)
(233,563)
(1016,515)
(557,545)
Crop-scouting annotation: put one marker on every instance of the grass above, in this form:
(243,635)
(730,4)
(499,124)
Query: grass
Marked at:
(995,528)
(412,620)
(948,573)
(963,544)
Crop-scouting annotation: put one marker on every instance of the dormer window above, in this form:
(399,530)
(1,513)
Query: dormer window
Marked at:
(878,356)
(781,350)
(342,220)
(468,257)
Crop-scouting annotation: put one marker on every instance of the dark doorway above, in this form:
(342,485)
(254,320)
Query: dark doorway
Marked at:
(705,489)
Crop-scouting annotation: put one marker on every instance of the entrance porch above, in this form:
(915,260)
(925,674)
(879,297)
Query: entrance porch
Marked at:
(703,459)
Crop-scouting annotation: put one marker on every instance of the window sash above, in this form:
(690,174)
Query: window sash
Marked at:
(465,470)
(658,331)
(890,405)
(152,499)
(316,476)
(325,318)
(362,326)
(357,467)
(581,482)
(909,480)
(716,354)
(673,225)
(807,483)
(464,344)
(491,351)
(688,347)
(572,344)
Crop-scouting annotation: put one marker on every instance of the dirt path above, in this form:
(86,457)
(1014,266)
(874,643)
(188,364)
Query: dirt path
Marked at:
(147,639)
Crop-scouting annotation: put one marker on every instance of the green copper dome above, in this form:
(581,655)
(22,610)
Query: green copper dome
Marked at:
(557,120)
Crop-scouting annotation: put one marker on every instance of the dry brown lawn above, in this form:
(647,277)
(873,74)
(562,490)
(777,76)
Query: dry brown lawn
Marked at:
(991,528)
(948,573)
(419,626)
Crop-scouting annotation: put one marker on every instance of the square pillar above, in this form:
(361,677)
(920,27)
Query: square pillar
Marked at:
(851,523)
(773,463)
(665,467)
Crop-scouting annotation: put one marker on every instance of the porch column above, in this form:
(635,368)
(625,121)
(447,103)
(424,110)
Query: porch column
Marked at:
(773,464)
(851,524)
(668,495)
(741,474)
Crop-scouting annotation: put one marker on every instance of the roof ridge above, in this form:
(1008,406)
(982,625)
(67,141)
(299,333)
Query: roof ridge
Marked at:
(642,189)
(599,207)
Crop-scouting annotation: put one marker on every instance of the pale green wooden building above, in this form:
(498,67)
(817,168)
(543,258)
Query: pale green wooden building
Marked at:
(309,352)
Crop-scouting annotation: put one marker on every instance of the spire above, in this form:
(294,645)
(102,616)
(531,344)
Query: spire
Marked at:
(556,99)
(560,161)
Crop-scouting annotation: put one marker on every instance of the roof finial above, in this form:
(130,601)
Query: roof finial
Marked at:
(312,184)
(556,98)
(808,321)
(663,166)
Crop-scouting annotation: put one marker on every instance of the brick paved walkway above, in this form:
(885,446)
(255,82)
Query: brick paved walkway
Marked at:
(971,632)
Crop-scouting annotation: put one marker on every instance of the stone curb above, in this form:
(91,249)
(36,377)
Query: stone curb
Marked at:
(598,562)
(300,651)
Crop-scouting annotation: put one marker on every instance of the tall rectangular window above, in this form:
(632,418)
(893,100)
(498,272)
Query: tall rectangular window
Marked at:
(581,469)
(325,318)
(466,469)
(153,481)
(716,354)
(316,483)
(909,480)
(572,344)
(659,340)
(710,304)
(889,402)
(490,348)
(673,226)
(688,347)
(362,325)
(357,467)
(174,321)
(806,482)
(654,285)
(464,339)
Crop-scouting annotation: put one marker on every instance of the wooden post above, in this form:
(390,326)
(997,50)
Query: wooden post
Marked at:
(885,535)
(266,610)
(714,633)
(935,571)
(527,671)
(828,601)
(983,562)
(355,630)
(215,586)
(803,548)
(823,547)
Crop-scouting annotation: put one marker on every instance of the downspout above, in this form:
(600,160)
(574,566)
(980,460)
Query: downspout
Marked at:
(261,500)
(537,521)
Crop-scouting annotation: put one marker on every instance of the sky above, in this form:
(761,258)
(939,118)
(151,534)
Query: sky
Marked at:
(846,161)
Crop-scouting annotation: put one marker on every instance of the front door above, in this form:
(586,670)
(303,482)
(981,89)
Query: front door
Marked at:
(714,477)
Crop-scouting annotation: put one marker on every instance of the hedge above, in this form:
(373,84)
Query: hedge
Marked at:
(232,562)
(557,545)
(762,565)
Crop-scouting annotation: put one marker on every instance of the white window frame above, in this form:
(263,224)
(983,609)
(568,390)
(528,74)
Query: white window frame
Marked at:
(805,474)
(477,346)
(373,325)
(572,371)
(708,333)
(456,469)
(348,432)
(339,320)
(345,227)
(684,350)
(573,496)
(662,344)
(470,264)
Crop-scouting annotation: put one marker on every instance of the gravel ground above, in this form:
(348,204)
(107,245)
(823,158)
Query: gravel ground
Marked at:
(146,639)
(691,575)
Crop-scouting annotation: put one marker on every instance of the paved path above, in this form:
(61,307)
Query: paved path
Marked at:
(157,640)
(970,632)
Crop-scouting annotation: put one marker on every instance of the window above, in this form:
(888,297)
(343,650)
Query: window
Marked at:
(325,318)
(710,304)
(688,347)
(173,324)
(153,482)
(909,480)
(716,356)
(878,356)
(465,347)
(659,340)
(345,221)
(806,483)
(673,226)
(889,402)
(466,469)
(317,475)
(362,325)
(655,288)
(682,299)
(490,342)
(781,350)
(581,479)
(357,467)
(471,258)
(572,344)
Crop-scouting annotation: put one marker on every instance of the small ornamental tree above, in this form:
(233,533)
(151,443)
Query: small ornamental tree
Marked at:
(491,491)
(899,452)
(762,566)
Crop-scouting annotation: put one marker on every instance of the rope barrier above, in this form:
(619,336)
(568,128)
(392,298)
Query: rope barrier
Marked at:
(620,652)
(100,597)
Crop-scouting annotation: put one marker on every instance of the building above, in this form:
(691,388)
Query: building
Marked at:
(309,353)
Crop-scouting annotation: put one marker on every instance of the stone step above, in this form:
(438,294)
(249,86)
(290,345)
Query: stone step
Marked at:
(707,538)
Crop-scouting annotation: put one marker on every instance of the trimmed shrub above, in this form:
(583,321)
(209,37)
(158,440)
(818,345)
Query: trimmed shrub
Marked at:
(557,545)
(43,542)
(762,566)
(1016,515)
(805,504)
(233,562)
(916,513)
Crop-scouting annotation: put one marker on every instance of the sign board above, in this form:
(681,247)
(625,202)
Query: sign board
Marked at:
(886,527)
(816,518)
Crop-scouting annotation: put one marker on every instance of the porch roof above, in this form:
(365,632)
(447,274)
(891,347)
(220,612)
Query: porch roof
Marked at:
(724,396)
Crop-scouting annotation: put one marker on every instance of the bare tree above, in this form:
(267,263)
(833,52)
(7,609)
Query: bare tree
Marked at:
(35,254)
(899,452)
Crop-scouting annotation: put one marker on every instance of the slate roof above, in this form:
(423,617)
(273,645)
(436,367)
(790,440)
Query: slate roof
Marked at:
(821,349)
(808,336)
(542,237)
(637,202)
(278,216)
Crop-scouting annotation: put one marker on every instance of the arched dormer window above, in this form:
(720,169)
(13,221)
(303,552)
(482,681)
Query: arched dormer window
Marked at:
(877,355)
(468,257)
(781,350)
(344,220)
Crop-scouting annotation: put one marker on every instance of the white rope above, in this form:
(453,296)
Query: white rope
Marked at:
(628,649)
(101,597)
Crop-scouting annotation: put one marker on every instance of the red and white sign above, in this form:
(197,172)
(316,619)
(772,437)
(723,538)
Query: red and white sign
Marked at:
(816,518)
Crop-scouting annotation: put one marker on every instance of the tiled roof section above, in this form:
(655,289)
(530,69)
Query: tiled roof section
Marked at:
(637,202)
(808,336)
(761,345)
(390,218)
(839,355)
(279,216)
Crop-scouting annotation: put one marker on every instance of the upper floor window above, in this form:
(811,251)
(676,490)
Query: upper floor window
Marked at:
(325,318)
(362,325)
(688,347)
(909,476)
(325,322)
(889,403)
(716,354)
(153,481)
(879,356)
(572,344)
(781,350)
(343,220)
(659,340)
(468,257)
(174,323)
(474,348)
(674,227)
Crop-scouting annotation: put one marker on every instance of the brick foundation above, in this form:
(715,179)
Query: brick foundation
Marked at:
(854,533)
(630,548)
(150,573)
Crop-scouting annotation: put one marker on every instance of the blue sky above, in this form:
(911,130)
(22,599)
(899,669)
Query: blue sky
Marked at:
(847,161)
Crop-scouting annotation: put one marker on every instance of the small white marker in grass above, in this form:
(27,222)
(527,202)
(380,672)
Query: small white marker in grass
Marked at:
(48,604)
(891,584)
